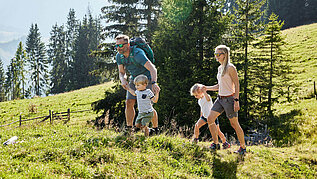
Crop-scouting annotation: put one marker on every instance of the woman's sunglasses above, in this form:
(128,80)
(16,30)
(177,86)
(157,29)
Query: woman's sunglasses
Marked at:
(119,45)
(218,54)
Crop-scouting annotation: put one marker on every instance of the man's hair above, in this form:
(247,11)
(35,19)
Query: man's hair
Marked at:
(194,88)
(141,79)
(124,37)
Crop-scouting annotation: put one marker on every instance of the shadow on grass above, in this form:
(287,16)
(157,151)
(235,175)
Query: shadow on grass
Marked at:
(284,128)
(224,169)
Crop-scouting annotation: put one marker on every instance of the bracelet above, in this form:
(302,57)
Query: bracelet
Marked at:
(153,82)
(236,99)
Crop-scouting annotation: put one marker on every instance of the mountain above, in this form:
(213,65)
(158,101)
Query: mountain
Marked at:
(8,49)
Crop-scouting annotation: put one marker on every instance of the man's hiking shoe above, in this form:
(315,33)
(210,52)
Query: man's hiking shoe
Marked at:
(195,140)
(214,146)
(225,145)
(241,151)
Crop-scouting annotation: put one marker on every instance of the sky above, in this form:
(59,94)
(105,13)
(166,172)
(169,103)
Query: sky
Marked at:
(18,15)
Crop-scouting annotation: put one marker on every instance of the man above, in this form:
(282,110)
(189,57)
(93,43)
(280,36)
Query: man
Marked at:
(134,61)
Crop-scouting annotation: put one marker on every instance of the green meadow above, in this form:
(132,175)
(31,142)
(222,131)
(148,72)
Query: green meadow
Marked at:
(78,150)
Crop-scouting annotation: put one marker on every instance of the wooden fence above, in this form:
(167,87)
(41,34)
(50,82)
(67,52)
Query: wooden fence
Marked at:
(52,116)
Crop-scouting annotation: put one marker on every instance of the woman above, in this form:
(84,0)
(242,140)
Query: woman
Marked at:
(228,98)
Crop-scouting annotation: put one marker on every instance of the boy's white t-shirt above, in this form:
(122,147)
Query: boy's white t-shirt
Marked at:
(205,106)
(144,100)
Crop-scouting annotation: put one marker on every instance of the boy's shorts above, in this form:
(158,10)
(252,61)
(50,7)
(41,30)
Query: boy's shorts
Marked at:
(144,118)
(225,104)
(132,86)
(205,119)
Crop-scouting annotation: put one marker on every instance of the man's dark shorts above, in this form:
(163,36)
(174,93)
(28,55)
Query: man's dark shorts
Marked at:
(225,104)
(132,86)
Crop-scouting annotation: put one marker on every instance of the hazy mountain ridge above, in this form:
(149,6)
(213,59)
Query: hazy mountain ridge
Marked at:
(8,49)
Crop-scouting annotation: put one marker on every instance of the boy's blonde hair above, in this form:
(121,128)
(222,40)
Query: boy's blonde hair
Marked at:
(194,88)
(141,79)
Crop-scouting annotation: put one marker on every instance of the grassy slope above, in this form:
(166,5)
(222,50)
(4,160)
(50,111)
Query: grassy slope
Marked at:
(302,49)
(78,150)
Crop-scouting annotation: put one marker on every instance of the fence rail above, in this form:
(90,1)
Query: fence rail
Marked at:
(52,116)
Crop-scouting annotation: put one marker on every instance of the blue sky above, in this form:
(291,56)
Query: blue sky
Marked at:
(20,14)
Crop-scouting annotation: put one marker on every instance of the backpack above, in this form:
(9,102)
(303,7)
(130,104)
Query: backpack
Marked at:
(138,42)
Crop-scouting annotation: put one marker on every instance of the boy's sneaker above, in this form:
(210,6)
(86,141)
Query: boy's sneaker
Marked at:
(214,146)
(225,145)
(241,151)
(151,132)
(195,140)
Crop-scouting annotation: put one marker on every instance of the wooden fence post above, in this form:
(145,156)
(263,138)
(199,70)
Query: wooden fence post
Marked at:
(20,120)
(68,114)
(50,114)
(52,117)
(315,90)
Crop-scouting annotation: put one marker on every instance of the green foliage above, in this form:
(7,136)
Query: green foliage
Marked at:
(58,58)
(132,18)
(294,12)
(113,107)
(2,82)
(247,26)
(37,61)
(270,68)
(184,50)
(83,63)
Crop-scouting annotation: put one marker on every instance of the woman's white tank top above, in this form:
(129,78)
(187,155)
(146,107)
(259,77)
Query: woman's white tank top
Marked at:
(226,85)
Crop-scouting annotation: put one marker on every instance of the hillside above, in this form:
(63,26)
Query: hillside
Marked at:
(301,112)
(78,150)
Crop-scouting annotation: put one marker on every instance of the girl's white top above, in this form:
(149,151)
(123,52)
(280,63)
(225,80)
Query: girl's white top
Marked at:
(226,85)
(205,106)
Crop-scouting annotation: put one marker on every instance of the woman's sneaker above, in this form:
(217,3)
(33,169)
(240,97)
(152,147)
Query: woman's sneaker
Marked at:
(214,146)
(241,151)
(225,145)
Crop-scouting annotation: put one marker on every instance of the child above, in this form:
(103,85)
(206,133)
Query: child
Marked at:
(205,103)
(145,97)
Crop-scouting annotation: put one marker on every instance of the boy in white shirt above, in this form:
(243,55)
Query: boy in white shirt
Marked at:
(199,91)
(145,100)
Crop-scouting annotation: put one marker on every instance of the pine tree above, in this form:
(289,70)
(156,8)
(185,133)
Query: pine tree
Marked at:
(83,63)
(19,75)
(57,54)
(72,26)
(184,45)
(9,81)
(132,18)
(37,60)
(271,64)
(2,82)
(247,27)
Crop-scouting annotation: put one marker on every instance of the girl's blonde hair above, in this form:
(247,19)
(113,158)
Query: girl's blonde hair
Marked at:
(226,51)
(141,79)
(194,88)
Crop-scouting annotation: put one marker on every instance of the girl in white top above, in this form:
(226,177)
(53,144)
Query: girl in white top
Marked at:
(228,97)
(205,103)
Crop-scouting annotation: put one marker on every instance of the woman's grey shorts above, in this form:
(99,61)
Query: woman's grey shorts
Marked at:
(225,104)
(132,86)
